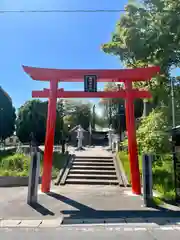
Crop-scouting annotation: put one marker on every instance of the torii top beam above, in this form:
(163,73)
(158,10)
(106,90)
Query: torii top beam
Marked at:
(104,75)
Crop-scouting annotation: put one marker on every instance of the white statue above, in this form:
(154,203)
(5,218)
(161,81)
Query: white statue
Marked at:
(110,136)
(80,137)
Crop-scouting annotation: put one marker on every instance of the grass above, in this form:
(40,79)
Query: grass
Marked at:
(58,162)
(125,162)
(16,164)
(163,179)
(162,175)
(157,201)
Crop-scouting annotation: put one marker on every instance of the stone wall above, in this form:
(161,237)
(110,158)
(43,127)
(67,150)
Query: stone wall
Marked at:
(11,181)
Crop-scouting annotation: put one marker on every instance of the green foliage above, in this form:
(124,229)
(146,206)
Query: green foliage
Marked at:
(7,116)
(152,134)
(111,109)
(77,113)
(158,201)
(148,34)
(32,117)
(162,176)
(14,165)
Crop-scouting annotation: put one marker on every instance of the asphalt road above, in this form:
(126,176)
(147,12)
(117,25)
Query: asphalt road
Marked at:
(89,233)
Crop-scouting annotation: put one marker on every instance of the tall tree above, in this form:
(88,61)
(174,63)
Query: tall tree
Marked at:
(76,113)
(7,116)
(149,34)
(32,117)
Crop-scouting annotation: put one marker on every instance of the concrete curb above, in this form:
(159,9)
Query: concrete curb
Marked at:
(67,169)
(118,172)
(33,223)
(63,169)
(123,174)
(123,223)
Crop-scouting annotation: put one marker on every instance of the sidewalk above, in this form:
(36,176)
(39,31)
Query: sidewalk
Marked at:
(79,204)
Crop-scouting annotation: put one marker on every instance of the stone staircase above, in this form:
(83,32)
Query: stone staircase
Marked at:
(92,171)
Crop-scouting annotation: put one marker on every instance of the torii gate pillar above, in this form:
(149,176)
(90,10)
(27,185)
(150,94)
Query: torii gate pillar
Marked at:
(49,141)
(132,143)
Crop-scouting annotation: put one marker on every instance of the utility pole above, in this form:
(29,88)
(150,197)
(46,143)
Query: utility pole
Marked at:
(120,113)
(61,113)
(173,103)
(145,107)
(93,123)
(110,113)
(1,124)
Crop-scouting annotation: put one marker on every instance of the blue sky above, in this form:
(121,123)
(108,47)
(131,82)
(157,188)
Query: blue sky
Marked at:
(54,40)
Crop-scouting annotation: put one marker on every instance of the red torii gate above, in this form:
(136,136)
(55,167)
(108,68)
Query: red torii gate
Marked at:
(115,75)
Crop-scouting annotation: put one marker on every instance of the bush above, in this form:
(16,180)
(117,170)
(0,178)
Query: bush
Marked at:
(163,180)
(152,134)
(19,164)
(162,174)
(14,165)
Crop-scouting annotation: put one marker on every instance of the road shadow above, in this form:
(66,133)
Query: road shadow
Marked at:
(41,209)
(155,214)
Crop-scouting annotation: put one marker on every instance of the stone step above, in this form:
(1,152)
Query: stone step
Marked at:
(92,171)
(91,176)
(92,181)
(93,159)
(100,167)
(93,163)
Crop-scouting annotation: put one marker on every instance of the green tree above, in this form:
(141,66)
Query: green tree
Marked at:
(112,109)
(77,112)
(7,116)
(148,34)
(32,117)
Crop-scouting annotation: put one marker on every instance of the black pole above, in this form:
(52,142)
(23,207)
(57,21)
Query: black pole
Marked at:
(110,114)
(34,172)
(119,114)
(60,109)
(147,180)
(93,117)
(173,103)
(175,170)
(1,123)
(90,129)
